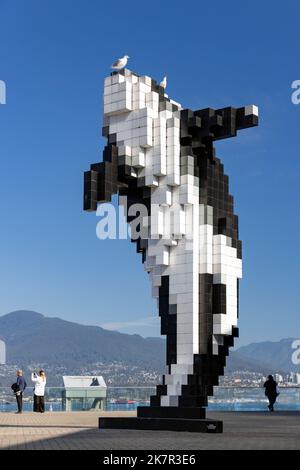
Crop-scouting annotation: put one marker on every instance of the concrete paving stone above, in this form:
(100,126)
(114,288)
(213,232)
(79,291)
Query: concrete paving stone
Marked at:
(79,430)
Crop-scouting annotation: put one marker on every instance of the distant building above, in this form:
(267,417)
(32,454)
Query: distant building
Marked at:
(83,393)
(2,352)
(278,378)
(295,378)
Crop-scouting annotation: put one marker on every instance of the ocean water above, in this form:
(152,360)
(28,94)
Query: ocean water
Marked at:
(225,399)
(229,405)
(232,406)
(12,406)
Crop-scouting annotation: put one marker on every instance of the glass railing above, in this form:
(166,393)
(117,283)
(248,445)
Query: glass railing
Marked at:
(128,398)
(53,399)
(253,399)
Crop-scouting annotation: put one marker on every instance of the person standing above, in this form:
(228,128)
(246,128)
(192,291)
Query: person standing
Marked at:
(271,391)
(21,384)
(39,391)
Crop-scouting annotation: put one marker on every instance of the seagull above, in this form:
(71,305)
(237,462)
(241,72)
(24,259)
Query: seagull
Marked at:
(120,63)
(163,83)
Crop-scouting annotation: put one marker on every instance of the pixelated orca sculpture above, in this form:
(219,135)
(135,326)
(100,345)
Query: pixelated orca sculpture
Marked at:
(162,156)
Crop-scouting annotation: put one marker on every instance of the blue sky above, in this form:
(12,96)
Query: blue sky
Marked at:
(54,57)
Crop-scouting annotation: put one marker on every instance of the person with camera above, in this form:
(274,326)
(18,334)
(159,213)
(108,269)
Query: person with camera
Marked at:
(39,391)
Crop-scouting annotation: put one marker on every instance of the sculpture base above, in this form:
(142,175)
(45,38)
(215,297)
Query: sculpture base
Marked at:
(163,424)
(171,412)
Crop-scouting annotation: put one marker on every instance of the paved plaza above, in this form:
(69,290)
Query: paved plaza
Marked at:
(78,430)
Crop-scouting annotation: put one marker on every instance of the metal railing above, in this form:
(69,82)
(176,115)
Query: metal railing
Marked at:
(229,398)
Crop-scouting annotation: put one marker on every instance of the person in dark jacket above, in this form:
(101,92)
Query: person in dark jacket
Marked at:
(21,383)
(271,391)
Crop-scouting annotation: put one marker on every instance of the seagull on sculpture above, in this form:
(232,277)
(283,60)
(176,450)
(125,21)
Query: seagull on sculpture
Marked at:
(163,83)
(120,63)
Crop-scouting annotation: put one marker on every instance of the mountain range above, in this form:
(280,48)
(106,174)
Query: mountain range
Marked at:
(32,338)
(36,338)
